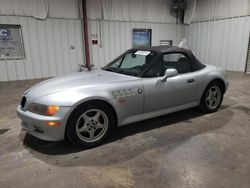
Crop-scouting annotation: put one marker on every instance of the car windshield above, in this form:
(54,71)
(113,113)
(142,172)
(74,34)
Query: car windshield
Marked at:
(132,63)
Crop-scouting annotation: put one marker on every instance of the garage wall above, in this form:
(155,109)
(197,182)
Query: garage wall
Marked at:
(114,37)
(48,44)
(52,47)
(53,43)
(40,9)
(131,10)
(52,33)
(222,42)
(219,9)
(113,20)
(219,32)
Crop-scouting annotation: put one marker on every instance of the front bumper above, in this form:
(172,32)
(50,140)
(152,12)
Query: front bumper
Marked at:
(35,124)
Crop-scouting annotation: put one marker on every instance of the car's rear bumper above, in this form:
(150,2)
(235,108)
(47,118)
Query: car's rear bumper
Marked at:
(36,125)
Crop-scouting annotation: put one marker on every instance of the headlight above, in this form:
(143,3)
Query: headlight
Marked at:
(47,110)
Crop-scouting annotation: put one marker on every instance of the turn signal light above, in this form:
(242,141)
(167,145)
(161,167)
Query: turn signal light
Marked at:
(53,123)
(51,110)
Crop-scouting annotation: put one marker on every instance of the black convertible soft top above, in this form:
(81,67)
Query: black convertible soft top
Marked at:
(195,63)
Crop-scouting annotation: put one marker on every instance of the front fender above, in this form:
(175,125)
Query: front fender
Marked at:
(75,97)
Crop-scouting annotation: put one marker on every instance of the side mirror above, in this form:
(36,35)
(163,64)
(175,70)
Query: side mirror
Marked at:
(169,73)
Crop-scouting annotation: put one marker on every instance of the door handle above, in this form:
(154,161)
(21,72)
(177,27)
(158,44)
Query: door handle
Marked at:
(190,80)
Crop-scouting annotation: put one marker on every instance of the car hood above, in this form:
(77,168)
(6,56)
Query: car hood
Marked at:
(76,80)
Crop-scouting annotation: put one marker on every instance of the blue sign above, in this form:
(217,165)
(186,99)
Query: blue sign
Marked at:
(141,37)
(5,34)
(11,43)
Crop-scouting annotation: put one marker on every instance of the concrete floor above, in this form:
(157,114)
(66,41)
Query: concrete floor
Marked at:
(184,149)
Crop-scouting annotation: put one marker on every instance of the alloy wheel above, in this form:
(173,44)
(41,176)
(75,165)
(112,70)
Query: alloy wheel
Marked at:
(213,97)
(92,125)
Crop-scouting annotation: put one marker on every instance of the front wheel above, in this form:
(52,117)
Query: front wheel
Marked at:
(212,97)
(90,124)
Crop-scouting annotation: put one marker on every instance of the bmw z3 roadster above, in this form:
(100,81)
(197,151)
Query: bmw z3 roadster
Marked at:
(141,83)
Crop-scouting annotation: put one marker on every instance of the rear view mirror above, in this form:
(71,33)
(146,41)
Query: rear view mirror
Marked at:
(133,56)
(169,73)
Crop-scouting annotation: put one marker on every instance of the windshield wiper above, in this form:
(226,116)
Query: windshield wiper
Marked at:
(108,69)
(117,70)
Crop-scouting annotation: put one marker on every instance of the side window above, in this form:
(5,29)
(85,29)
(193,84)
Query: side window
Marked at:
(178,61)
(154,71)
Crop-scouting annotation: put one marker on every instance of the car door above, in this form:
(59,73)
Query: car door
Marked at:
(177,90)
(128,95)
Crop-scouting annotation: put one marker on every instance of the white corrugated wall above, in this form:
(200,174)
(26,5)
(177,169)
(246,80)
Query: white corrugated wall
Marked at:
(48,43)
(55,46)
(223,43)
(52,47)
(114,37)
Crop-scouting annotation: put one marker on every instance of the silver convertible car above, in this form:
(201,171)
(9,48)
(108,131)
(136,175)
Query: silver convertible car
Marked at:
(141,83)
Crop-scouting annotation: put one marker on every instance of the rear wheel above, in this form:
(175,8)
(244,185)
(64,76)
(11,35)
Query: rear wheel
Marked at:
(212,97)
(90,124)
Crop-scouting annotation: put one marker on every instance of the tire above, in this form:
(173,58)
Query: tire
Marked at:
(212,97)
(90,124)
